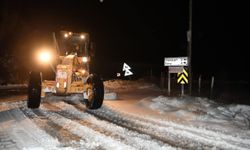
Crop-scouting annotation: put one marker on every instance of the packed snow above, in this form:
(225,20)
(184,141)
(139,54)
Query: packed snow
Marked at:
(141,117)
(23,133)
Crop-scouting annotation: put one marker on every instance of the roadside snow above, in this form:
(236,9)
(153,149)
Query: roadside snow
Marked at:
(178,134)
(203,109)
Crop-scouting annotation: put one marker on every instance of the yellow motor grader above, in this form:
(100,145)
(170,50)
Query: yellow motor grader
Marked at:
(72,73)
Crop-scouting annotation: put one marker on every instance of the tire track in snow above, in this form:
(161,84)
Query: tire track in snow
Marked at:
(139,141)
(23,133)
(90,138)
(179,136)
(6,142)
(64,136)
(210,134)
(130,125)
(203,138)
(200,136)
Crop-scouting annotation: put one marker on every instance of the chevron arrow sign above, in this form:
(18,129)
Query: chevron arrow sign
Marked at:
(182,77)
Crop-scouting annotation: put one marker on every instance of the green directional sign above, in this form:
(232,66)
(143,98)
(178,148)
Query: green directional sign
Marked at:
(182,77)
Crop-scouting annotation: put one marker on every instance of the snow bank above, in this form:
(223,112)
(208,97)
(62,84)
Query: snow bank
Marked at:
(202,109)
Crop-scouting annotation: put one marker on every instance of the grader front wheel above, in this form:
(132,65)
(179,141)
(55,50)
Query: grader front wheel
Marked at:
(95,92)
(34,90)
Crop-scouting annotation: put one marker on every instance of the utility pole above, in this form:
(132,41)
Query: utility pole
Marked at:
(189,38)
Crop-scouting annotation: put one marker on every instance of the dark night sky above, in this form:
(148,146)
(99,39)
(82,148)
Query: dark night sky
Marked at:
(135,31)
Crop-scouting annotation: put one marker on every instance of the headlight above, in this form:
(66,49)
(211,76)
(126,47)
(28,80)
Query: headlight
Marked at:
(85,59)
(82,37)
(57,85)
(44,56)
(66,35)
(83,71)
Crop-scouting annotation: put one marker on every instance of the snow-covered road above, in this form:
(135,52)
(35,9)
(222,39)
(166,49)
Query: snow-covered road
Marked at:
(138,119)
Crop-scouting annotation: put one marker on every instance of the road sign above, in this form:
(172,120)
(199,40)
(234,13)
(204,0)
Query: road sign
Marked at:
(175,69)
(126,68)
(182,77)
(176,61)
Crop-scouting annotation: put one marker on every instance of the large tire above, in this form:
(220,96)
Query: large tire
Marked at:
(34,90)
(95,100)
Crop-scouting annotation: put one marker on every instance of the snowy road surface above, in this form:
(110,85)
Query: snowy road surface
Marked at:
(139,118)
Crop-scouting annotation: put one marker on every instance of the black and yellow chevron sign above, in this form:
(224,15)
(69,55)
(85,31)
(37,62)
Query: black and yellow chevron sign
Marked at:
(182,77)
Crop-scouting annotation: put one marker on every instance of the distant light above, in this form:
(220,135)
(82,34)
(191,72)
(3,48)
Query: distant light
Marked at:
(66,35)
(70,33)
(118,74)
(101,1)
(85,59)
(82,37)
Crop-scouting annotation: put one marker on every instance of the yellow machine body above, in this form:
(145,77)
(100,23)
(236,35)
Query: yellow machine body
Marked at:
(71,73)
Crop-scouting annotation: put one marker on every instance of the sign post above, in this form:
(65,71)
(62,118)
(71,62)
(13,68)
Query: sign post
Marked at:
(182,90)
(169,84)
(182,79)
(176,65)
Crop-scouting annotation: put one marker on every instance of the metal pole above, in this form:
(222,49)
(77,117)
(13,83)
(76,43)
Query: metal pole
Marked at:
(151,74)
(169,83)
(162,80)
(190,47)
(212,87)
(182,90)
(199,86)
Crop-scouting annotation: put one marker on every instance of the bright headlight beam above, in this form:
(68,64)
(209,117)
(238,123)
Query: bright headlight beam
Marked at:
(44,56)
(85,59)
(82,37)
(66,35)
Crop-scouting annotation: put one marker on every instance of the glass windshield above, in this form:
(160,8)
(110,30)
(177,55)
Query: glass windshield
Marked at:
(72,43)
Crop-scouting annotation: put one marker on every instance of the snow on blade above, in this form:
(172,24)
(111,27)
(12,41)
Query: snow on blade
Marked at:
(24,133)
(110,96)
(139,141)
(126,84)
(92,139)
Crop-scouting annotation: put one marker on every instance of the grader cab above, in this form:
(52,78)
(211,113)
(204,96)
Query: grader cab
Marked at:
(72,72)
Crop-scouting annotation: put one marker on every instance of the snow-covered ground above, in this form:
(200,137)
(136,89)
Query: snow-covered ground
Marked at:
(13,86)
(139,116)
